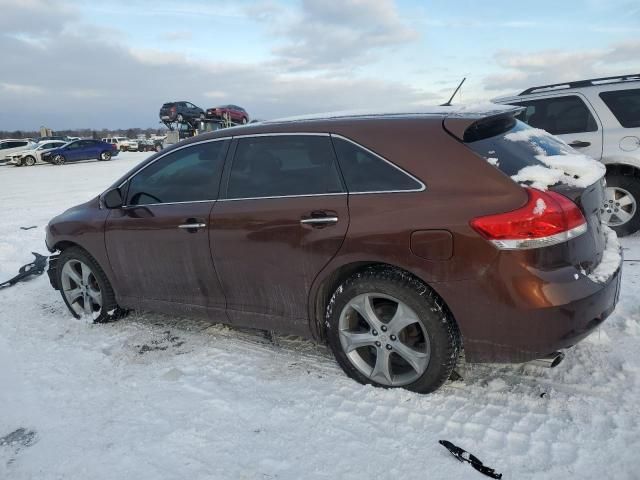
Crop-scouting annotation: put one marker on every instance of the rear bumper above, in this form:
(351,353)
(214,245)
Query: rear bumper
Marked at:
(538,313)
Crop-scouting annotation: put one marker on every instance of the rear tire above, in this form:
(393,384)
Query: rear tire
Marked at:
(409,339)
(85,288)
(180,118)
(29,161)
(622,196)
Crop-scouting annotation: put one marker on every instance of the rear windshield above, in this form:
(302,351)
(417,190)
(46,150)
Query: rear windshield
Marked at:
(531,156)
(167,105)
(516,148)
(625,105)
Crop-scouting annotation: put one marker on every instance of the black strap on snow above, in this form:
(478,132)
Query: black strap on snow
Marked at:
(464,456)
(34,268)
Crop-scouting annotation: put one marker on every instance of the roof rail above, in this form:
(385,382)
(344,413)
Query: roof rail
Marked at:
(584,83)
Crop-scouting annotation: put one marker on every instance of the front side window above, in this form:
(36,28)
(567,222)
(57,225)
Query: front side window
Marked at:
(283,166)
(558,115)
(365,172)
(187,175)
(625,106)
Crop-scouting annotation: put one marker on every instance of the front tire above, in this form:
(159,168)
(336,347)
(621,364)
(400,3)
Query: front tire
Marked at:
(388,329)
(620,210)
(180,118)
(29,161)
(85,288)
(244,120)
(105,156)
(58,160)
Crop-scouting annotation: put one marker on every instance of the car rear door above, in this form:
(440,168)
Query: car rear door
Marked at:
(158,244)
(282,217)
(570,117)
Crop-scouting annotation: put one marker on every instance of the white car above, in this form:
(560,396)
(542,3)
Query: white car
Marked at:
(10,146)
(123,143)
(601,118)
(33,155)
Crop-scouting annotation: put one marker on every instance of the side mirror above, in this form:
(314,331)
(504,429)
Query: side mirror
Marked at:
(113,198)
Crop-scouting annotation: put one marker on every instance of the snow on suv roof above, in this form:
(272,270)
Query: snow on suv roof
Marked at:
(467,111)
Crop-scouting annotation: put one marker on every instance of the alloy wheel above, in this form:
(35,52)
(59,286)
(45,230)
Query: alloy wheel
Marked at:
(29,161)
(81,288)
(384,339)
(619,206)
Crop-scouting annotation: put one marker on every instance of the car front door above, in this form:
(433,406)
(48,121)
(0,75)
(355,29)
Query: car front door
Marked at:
(283,216)
(158,243)
(73,151)
(569,117)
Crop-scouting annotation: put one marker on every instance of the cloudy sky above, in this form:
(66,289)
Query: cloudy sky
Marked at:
(73,64)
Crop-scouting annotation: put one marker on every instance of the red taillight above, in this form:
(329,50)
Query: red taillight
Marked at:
(547,218)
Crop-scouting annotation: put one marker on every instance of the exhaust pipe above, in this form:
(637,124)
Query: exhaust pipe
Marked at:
(550,361)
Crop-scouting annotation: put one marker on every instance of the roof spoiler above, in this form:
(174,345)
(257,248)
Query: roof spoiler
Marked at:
(471,129)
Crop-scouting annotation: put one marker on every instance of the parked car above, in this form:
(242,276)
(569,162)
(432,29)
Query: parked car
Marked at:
(233,113)
(34,155)
(62,138)
(122,143)
(601,118)
(181,112)
(348,229)
(10,146)
(80,150)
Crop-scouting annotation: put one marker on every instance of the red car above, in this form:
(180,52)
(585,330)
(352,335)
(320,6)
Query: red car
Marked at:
(232,112)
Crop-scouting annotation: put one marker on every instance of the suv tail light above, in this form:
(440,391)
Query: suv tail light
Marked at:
(547,218)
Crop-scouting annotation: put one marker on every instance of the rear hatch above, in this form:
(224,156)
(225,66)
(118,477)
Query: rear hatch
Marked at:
(167,110)
(534,158)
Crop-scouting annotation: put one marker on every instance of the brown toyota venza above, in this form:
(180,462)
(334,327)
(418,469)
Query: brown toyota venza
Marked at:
(401,240)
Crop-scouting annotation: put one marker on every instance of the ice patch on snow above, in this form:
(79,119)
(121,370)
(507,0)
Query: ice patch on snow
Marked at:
(611,258)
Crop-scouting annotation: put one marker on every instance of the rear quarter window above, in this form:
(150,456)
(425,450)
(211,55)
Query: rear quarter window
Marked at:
(625,106)
(365,172)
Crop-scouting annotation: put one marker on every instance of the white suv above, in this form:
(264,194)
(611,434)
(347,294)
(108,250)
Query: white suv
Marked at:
(122,143)
(601,118)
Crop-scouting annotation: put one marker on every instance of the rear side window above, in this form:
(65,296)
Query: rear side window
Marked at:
(518,147)
(186,175)
(282,165)
(365,172)
(625,105)
(558,115)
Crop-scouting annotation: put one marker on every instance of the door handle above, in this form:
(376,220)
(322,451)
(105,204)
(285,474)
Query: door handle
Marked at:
(319,220)
(193,226)
(579,144)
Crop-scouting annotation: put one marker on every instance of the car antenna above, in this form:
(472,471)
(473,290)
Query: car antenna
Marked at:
(448,104)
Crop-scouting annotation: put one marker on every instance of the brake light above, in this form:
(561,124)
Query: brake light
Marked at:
(548,218)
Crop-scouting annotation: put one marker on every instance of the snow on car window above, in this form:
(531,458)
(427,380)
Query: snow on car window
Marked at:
(531,156)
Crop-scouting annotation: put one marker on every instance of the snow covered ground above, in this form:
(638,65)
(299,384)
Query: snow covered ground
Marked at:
(156,397)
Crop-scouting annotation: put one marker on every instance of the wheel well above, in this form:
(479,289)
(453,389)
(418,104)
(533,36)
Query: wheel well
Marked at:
(63,245)
(622,169)
(333,281)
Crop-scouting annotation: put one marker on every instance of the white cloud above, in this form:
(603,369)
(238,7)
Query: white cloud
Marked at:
(329,35)
(554,66)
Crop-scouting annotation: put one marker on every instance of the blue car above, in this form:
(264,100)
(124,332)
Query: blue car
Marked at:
(80,150)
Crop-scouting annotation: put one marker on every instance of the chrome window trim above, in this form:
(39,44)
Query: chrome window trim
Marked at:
(283,196)
(422,188)
(129,207)
(281,134)
(274,134)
